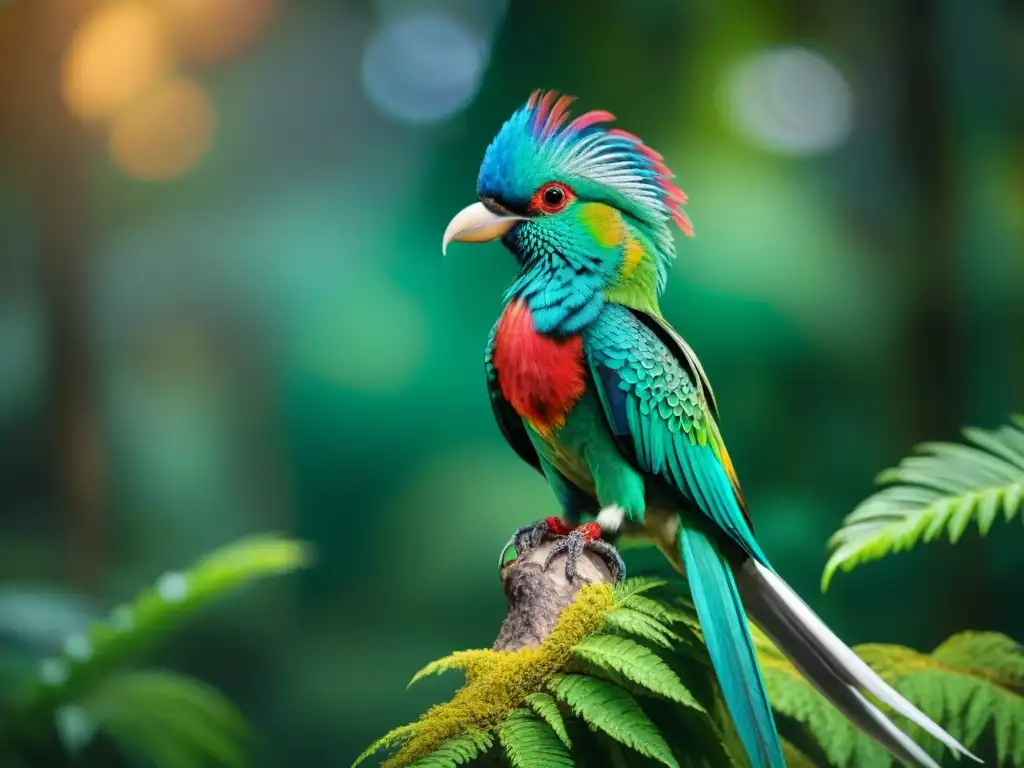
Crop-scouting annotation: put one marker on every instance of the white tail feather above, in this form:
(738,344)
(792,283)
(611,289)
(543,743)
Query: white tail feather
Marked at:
(832,667)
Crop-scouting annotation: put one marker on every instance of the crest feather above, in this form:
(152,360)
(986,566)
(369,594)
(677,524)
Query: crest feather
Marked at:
(608,155)
(540,143)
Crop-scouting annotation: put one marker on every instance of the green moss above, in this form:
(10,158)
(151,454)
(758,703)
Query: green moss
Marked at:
(498,682)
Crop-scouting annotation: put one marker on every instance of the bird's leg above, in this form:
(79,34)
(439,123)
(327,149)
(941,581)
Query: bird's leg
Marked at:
(587,536)
(529,537)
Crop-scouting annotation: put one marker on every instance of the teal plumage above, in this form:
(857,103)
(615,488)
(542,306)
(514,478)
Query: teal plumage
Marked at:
(592,387)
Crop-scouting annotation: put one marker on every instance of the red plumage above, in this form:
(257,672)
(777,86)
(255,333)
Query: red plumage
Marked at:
(541,377)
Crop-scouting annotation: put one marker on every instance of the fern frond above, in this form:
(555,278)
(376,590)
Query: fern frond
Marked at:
(531,743)
(546,708)
(990,651)
(959,691)
(389,740)
(636,663)
(88,657)
(610,709)
(635,622)
(790,694)
(971,681)
(636,585)
(943,487)
(153,714)
(469,661)
(457,751)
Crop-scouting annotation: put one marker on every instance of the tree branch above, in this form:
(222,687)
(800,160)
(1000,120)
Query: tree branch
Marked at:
(537,597)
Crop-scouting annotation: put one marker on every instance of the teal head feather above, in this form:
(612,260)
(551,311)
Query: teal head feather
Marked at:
(588,211)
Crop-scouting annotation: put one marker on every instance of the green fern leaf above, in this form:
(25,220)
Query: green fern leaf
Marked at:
(469,661)
(392,738)
(957,691)
(531,743)
(989,651)
(608,708)
(942,487)
(157,714)
(642,625)
(547,709)
(457,751)
(791,695)
(636,585)
(656,609)
(88,657)
(636,663)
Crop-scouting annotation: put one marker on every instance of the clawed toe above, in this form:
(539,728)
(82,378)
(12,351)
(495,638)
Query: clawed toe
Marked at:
(586,536)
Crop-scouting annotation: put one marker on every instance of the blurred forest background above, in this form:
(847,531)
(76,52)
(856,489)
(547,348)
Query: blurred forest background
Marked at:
(223,307)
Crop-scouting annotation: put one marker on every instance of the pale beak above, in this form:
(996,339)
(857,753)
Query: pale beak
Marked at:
(476,224)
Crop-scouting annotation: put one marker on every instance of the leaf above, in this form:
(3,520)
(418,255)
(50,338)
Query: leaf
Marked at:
(642,625)
(609,708)
(531,743)
(636,585)
(790,694)
(944,486)
(457,751)
(88,656)
(470,661)
(390,739)
(655,609)
(963,686)
(157,714)
(635,663)
(547,709)
(965,698)
(989,651)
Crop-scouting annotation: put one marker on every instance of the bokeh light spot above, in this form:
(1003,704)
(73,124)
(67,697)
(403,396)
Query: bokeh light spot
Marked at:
(790,100)
(119,51)
(172,587)
(165,134)
(423,67)
(214,30)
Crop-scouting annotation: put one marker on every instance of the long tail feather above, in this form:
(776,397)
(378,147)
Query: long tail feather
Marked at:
(832,667)
(730,646)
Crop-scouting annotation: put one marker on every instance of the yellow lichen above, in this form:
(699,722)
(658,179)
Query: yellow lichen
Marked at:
(500,681)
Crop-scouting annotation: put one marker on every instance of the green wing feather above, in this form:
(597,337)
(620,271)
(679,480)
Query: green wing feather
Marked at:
(656,407)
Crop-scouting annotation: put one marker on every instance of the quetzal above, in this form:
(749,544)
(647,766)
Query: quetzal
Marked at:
(593,387)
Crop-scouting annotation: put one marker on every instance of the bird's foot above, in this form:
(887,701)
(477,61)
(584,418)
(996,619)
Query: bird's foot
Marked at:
(531,536)
(587,536)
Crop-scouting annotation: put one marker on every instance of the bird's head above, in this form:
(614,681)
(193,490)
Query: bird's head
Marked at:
(594,199)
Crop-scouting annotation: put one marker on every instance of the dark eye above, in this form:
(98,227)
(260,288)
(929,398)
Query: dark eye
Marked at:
(551,198)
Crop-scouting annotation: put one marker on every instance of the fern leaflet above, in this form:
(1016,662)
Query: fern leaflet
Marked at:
(642,625)
(608,708)
(457,751)
(942,487)
(531,743)
(636,663)
(546,708)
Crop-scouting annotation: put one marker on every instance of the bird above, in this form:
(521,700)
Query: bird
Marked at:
(592,386)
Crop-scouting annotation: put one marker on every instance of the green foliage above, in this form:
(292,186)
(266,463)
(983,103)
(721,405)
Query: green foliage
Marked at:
(606,682)
(942,488)
(547,709)
(971,684)
(632,682)
(530,742)
(636,663)
(458,751)
(609,708)
(163,717)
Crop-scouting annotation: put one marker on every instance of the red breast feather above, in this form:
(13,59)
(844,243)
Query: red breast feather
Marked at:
(541,377)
